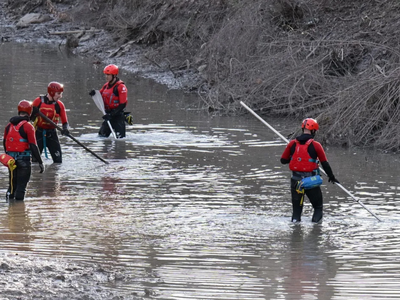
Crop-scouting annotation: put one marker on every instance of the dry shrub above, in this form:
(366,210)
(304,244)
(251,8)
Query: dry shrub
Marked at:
(301,72)
(367,113)
(24,6)
(173,31)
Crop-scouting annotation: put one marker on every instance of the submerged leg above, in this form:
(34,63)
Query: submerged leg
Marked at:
(104,130)
(316,199)
(297,202)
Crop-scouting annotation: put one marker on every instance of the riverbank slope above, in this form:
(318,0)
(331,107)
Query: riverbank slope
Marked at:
(334,61)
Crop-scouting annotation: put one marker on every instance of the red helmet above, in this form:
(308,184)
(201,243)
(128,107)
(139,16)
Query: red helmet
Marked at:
(111,70)
(54,87)
(310,124)
(25,106)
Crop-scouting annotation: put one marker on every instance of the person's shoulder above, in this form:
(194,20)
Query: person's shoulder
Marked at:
(61,103)
(317,144)
(27,125)
(122,88)
(120,84)
(36,101)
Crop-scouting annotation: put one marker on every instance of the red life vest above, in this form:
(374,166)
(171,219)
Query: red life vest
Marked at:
(301,161)
(110,95)
(14,141)
(50,110)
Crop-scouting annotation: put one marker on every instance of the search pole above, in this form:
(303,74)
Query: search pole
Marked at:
(71,137)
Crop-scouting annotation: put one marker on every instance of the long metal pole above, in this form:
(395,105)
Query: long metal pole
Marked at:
(287,141)
(70,136)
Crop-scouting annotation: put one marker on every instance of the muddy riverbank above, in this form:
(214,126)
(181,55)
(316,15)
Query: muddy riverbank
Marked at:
(27,277)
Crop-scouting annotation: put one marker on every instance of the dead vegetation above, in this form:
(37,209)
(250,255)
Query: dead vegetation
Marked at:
(334,60)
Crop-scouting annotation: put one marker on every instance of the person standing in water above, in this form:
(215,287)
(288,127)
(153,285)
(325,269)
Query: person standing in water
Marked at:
(53,108)
(302,154)
(19,142)
(115,98)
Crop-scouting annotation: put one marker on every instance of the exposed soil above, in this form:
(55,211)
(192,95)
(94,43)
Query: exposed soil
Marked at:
(27,277)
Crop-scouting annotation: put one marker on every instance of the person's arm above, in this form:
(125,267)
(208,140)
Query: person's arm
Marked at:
(324,162)
(119,109)
(36,154)
(285,158)
(30,136)
(64,118)
(5,137)
(35,109)
(122,94)
(63,113)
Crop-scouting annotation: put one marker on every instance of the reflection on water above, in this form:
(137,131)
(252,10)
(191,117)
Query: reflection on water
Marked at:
(201,203)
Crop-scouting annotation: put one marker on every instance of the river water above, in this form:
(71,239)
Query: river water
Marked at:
(193,206)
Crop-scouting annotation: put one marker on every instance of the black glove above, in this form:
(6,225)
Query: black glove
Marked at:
(92,93)
(64,130)
(333,180)
(35,110)
(41,166)
(107,117)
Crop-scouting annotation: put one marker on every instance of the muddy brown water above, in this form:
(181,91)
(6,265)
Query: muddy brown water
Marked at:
(192,206)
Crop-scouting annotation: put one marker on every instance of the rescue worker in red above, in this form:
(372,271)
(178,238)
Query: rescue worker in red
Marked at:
(302,154)
(52,107)
(115,98)
(20,143)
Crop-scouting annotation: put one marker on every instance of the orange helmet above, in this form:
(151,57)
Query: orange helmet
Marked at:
(111,70)
(25,106)
(54,87)
(310,124)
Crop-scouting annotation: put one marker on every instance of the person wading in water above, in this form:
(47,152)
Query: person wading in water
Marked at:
(20,144)
(115,98)
(52,107)
(302,154)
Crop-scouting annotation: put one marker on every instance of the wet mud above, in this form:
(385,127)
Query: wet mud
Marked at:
(26,277)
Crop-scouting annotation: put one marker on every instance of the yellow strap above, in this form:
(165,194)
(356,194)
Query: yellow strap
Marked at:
(35,122)
(299,188)
(11,166)
(302,199)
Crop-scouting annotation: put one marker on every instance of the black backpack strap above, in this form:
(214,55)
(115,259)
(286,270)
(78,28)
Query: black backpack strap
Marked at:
(57,106)
(115,90)
(23,133)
